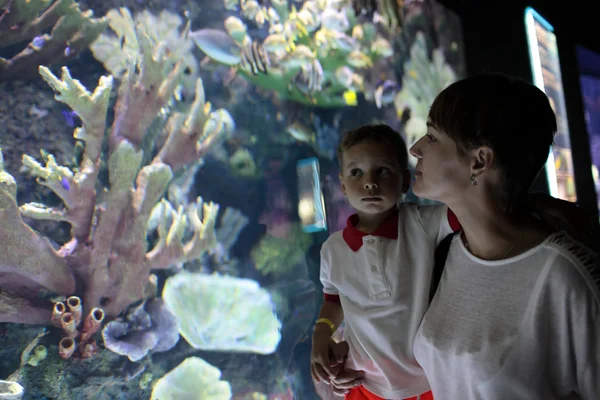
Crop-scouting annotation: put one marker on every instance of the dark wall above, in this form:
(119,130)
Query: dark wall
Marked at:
(495,41)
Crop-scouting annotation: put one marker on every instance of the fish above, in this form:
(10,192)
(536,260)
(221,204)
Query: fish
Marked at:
(38,41)
(301,133)
(65,183)
(334,20)
(390,12)
(69,117)
(385,93)
(350,97)
(218,46)
(254,58)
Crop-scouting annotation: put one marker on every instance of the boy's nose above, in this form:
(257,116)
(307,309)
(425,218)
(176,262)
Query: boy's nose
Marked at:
(370,185)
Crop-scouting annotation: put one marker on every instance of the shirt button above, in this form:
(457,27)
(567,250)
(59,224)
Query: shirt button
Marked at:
(373,268)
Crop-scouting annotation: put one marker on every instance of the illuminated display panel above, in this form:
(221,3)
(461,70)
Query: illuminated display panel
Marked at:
(543,53)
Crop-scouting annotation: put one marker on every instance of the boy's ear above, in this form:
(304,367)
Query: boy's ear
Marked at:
(405,181)
(342,183)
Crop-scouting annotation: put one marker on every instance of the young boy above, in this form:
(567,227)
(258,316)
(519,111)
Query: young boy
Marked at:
(376,273)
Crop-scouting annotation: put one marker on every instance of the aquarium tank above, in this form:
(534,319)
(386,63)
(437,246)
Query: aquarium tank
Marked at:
(168,173)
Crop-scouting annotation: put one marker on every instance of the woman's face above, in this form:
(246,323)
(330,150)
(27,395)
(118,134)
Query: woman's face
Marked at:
(442,174)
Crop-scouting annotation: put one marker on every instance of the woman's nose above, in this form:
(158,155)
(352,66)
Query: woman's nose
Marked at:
(415,150)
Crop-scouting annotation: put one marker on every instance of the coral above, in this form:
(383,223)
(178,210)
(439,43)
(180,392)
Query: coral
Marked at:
(22,20)
(39,354)
(147,327)
(423,80)
(116,49)
(222,313)
(107,252)
(316,55)
(274,255)
(193,379)
(10,390)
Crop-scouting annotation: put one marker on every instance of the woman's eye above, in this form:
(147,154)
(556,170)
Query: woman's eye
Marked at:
(430,138)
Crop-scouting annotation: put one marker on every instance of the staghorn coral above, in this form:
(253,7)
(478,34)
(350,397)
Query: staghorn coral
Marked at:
(116,48)
(316,55)
(107,252)
(21,20)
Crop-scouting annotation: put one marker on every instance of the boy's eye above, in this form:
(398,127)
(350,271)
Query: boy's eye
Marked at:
(384,171)
(430,138)
(355,172)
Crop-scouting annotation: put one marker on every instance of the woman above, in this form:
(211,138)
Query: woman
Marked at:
(517,311)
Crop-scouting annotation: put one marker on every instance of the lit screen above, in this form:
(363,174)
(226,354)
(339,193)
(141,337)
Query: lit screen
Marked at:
(311,205)
(545,64)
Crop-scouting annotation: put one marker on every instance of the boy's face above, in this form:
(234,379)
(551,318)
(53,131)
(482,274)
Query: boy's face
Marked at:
(371,177)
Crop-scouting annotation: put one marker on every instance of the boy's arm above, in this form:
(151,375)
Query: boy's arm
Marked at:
(331,310)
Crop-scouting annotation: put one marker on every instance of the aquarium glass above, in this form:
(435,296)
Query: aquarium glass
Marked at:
(543,52)
(168,174)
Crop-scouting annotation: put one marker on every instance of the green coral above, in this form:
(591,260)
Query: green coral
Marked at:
(222,313)
(193,379)
(277,256)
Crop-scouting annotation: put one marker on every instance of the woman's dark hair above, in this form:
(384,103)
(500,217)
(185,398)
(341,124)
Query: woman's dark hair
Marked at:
(510,116)
(379,133)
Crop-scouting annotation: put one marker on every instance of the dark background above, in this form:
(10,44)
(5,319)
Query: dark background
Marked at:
(495,41)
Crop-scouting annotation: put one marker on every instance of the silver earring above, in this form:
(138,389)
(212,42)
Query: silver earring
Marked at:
(473,180)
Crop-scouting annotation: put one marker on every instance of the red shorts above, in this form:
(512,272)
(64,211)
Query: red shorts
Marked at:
(360,393)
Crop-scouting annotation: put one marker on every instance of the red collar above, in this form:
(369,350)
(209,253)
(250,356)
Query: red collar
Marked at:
(353,237)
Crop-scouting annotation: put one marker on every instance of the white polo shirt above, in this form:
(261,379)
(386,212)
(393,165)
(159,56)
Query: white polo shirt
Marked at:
(382,280)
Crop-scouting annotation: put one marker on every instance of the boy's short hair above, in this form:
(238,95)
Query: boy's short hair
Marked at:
(511,116)
(376,132)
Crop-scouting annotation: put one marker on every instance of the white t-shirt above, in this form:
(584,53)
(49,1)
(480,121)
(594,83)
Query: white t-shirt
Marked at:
(383,286)
(527,327)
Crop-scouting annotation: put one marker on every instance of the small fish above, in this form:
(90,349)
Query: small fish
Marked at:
(385,93)
(388,11)
(334,20)
(254,58)
(38,41)
(65,183)
(70,117)
(301,133)
(69,51)
(350,98)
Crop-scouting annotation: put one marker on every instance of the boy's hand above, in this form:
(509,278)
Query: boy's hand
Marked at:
(327,357)
(346,380)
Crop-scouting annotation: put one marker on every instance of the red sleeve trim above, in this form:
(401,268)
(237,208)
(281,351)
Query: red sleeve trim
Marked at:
(332,298)
(453,221)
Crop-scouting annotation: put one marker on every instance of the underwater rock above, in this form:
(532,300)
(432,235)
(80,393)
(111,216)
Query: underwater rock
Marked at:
(148,327)
(222,313)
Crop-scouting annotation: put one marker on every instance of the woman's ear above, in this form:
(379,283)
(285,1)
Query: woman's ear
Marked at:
(482,160)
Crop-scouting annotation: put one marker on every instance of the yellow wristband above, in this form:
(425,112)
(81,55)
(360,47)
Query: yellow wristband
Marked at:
(328,322)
